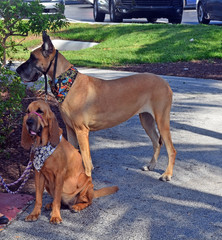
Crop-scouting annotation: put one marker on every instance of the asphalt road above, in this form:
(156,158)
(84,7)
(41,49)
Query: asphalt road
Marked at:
(188,207)
(84,13)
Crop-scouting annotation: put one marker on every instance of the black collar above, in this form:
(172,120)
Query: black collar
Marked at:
(54,72)
(55,66)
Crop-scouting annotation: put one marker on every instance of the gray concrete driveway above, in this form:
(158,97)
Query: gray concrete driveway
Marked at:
(187,207)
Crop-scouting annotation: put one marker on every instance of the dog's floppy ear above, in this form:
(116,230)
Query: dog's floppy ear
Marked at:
(47,46)
(26,140)
(53,130)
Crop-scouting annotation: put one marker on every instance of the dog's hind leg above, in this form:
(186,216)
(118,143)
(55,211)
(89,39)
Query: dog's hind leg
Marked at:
(84,199)
(148,124)
(163,123)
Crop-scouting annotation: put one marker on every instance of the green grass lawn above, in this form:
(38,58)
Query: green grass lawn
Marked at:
(137,43)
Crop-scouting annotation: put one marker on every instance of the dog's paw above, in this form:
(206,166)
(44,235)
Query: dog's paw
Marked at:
(55,220)
(32,218)
(165,177)
(79,206)
(145,168)
(76,209)
(149,167)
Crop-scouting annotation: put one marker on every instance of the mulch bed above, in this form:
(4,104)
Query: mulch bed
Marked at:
(195,69)
(14,159)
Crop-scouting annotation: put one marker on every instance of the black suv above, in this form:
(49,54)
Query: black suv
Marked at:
(149,9)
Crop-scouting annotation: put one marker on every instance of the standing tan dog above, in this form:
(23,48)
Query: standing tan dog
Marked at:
(58,165)
(91,104)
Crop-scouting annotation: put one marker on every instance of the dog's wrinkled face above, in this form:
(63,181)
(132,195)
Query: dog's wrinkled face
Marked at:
(39,61)
(39,125)
(35,118)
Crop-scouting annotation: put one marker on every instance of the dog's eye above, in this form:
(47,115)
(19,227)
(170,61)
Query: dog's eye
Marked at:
(27,111)
(39,111)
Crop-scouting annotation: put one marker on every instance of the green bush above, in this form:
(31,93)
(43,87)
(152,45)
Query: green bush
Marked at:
(12,23)
(12,91)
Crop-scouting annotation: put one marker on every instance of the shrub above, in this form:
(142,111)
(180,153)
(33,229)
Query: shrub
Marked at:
(12,23)
(12,91)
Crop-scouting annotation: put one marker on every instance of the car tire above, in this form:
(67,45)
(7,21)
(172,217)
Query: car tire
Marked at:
(98,16)
(175,20)
(151,20)
(201,14)
(114,16)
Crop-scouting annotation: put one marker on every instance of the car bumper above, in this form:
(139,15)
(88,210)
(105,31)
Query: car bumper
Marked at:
(50,7)
(139,11)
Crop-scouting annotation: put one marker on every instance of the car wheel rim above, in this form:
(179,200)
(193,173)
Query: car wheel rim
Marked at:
(95,9)
(111,12)
(200,14)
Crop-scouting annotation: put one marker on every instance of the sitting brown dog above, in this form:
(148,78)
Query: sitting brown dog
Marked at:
(58,165)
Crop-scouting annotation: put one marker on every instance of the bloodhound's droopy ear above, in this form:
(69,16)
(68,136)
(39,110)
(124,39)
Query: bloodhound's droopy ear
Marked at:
(26,140)
(47,46)
(53,129)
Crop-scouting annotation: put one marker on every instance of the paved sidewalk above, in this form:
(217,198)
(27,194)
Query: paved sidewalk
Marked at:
(13,204)
(187,207)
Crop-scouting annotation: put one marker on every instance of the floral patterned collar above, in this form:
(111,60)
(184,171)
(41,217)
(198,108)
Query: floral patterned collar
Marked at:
(63,84)
(42,153)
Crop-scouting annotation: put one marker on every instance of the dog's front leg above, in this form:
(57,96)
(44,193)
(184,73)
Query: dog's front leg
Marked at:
(56,204)
(83,139)
(39,186)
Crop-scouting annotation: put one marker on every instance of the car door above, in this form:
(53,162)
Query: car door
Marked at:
(218,9)
(210,8)
(215,9)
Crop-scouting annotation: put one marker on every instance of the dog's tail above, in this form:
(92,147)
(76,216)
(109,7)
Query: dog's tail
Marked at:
(105,191)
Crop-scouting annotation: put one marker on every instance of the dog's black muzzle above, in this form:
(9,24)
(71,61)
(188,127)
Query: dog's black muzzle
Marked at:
(28,72)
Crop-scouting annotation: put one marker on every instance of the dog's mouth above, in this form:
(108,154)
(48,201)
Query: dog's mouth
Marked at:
(29,73)
(32,133)
(36,76)
(35,133)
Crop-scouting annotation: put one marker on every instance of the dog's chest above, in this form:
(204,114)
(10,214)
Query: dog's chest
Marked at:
(41,154)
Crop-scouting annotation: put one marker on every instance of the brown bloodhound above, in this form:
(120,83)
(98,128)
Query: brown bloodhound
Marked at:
(58,165)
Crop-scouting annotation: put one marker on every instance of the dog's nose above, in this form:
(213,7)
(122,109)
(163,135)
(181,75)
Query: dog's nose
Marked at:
(30,122)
